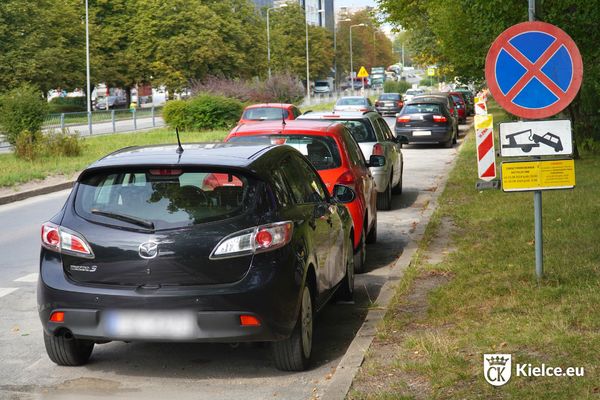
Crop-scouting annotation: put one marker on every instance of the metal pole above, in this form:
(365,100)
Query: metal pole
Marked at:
(153,116)
(134,121)
(335,75)
(531,10)
(87,61)
(307,60)
(539,244)
(112,118)
(351,66)
(62,122)
(268,44)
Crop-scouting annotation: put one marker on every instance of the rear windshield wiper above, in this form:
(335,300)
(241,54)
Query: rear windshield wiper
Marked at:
(126,218)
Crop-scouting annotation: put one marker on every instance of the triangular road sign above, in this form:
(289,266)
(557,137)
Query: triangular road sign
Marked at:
(362,73)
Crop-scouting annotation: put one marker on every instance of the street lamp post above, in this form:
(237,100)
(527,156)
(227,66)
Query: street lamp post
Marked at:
(307,58)
(335,82)
(87,66)
(269,37)
(351,65)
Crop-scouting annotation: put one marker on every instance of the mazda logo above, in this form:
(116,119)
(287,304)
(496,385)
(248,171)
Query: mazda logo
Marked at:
(148,250)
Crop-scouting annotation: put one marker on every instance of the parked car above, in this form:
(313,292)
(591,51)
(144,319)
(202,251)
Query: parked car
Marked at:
(461,106)
(389,103)
(353,103)
(144,251)
(446,98)
(427,121)
(111,102)
(337,157)
(410,93)
(469,100)
(321,87)
(374,137)
(269,111)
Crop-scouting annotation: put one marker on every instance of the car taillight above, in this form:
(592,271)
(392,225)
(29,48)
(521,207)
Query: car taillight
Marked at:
(402,119)
(363,109)
(254,240)
(378,104)
(210,181)
(346,178)
(400,104)
(439,118)
(377,149)
(63,240)
(166,172)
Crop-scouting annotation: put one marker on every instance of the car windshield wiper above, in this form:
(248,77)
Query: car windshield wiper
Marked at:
(126,218)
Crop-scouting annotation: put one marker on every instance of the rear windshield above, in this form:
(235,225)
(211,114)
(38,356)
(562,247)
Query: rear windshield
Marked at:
(321,84)
(161,198)
(351,102)
(322,151)
(361,130)
(265,114)
(412,92)
(457,99)
(422,108)
(389,96)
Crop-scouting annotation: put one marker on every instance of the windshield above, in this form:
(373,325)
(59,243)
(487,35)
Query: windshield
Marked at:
(422,108)
(265,114)
(351,101)
(161,198)
(322,151)
(322,84)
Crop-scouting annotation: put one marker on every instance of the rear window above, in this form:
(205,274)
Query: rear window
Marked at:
(322,151)
(389,96)
(351,102)
(361,130)
(457,99)
(422,108)
(412,92)
(321,84)
(265,114)
(161,198)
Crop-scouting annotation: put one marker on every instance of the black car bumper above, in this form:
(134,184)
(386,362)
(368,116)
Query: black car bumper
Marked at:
(270,291)
(419,134)
(388,110)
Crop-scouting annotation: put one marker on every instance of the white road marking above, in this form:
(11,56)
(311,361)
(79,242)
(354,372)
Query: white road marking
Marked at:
(28,278)
(7,290)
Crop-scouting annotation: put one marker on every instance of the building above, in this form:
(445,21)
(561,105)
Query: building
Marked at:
(312,7)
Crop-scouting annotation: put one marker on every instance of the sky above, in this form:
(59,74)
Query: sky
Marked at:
(354,3)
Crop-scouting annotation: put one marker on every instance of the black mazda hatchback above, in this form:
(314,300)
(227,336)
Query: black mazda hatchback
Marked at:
(209,242)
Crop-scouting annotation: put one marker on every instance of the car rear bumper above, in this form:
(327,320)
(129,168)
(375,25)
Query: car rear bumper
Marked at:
(90,311)
(438,134)
(388,110)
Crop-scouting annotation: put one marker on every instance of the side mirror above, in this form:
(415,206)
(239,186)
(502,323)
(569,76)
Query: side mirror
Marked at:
(343,194)
(376,161)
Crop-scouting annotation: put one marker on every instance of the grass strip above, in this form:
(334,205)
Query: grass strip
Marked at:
(14,170)
(493,303)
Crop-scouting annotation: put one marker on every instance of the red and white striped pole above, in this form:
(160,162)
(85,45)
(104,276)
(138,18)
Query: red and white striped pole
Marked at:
(486,154)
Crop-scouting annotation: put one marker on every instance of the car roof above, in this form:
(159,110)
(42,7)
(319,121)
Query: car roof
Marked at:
(214,154)
(352,97)
(293,127)
(332,116)
(269,105)
(429,99)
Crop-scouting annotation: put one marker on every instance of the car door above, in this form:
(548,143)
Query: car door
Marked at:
(393,152)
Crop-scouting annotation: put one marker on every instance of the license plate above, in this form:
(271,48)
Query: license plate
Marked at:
(150,325)
(421,133)
(388,104)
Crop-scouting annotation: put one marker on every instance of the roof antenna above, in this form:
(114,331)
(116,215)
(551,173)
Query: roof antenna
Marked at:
(179,148)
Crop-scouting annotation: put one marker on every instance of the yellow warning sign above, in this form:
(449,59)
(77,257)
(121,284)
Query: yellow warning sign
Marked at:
(430,71)
(484,121)
(362,73)
(538,175)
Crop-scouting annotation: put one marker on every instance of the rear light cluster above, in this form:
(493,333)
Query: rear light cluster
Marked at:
(378,149)
(57,316)
(378,104)
(63,240)
(400,104)
(439,118)
(254,240)
(403,119)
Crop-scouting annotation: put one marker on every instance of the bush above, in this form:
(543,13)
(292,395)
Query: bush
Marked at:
(22,109)
(429,81)
(67,104)
(204,111)
(62,144)
(280,88)
(396,86)
(28,145)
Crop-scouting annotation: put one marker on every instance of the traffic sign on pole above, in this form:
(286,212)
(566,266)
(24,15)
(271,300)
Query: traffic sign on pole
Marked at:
(486,155)
(536,138)
(533,70)
(362,73)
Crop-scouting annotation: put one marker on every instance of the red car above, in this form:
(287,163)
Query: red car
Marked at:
(337,158)
(461,106)
(268,112)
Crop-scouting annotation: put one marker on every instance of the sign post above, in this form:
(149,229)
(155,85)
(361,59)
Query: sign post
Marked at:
(362,74)
(534,70)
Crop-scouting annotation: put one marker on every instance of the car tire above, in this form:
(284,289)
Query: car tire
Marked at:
(398,188)
(384,199)
(346,290)
(372,235)
(293,353)
(455,138)
(448,143)
(360,254)
(68,351)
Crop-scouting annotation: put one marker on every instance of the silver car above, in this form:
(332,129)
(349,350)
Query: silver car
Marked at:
(353,103)
(374,137)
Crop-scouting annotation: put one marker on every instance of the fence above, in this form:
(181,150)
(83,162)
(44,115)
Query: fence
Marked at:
(318,98)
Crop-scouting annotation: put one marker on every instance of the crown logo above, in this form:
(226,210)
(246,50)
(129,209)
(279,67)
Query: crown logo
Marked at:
(497,361)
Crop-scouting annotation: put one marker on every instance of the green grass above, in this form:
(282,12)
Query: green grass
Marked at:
(319,107)
(493,304)
(14,170)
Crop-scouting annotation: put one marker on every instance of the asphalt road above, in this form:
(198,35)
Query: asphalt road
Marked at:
(189,371)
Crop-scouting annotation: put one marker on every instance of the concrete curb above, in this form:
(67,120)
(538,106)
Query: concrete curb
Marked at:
(22,195)
(346,371)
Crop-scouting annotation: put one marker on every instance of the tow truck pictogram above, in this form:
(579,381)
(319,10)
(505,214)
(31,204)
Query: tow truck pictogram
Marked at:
(549,139)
